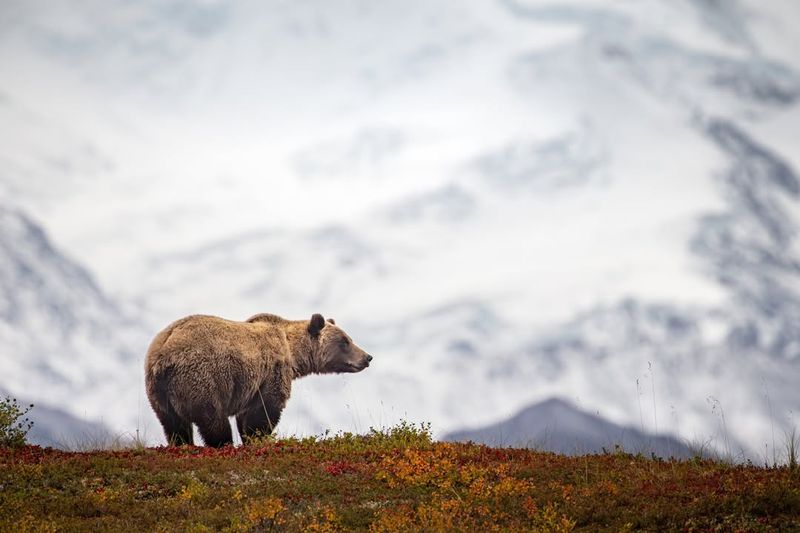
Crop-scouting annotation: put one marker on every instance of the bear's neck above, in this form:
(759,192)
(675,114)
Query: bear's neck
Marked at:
(304,357)
(303,363)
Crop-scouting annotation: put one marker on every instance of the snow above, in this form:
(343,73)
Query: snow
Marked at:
(414,169)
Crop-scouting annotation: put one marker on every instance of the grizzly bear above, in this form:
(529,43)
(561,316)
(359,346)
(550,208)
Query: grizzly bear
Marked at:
(203,369)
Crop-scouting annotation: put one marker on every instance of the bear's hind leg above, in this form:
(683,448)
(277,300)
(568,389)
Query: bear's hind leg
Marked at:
(177,430)
(216,432)
(182,434)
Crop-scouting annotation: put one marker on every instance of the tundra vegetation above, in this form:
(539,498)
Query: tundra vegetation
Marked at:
(395,479)
(14,424)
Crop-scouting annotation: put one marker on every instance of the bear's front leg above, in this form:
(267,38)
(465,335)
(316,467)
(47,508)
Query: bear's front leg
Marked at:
(260,417)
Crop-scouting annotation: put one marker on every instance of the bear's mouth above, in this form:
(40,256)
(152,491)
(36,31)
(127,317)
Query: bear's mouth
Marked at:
(358,367)
(346,366)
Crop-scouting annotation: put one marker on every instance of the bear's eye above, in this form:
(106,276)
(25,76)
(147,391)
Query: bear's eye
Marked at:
(344,343)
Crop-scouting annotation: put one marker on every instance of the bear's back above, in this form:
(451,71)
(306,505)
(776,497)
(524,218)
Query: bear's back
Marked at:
(268,318)
(205,336)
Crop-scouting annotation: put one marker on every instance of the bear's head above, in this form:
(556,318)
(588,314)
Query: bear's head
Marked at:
(337,351)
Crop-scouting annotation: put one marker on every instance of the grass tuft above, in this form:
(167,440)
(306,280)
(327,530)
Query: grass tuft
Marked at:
(792,442)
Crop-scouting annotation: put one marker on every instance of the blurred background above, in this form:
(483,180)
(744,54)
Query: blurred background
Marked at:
(541,217)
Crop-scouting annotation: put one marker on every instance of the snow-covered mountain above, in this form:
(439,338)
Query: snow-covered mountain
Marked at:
(503,200)
(64,343)
(556,425)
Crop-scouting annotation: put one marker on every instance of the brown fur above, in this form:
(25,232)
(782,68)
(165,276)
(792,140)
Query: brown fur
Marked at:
(203,369)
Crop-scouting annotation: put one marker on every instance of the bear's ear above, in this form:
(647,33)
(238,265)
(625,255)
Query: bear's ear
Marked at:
(332,321)
(316,324)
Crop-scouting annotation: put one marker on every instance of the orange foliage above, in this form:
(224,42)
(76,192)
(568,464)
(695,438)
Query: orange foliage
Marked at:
(465,496)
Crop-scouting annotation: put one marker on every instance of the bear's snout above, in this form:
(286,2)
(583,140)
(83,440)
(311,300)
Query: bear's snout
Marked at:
(362,364)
